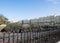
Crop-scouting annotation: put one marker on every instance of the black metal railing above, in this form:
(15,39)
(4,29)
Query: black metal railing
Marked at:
(30,37)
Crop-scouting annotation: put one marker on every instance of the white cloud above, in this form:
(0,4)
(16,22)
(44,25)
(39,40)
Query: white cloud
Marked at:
(54,1)
(13,21)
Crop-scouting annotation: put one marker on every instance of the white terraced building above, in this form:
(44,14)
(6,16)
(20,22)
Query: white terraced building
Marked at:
(2,26)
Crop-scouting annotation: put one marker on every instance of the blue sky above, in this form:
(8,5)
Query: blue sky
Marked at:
(26,9)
